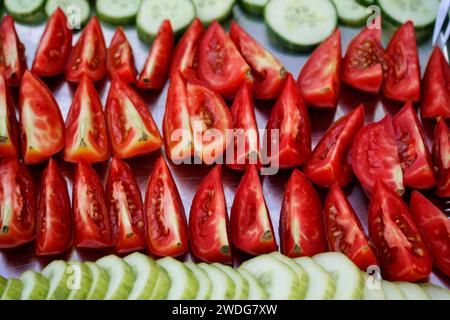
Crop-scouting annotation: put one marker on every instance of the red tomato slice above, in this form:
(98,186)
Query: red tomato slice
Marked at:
(132,130)
(319,81)
(221,66)
(443,188)
(54,220)
(12,52)
(17,204)
(185,55)
(54,48)
(208,221)
(435,228)
(402,78)
(88,56)
(441,157)
(91,218)
(363,63)
(120,58)
(268,73)
(166,233)
(412,149)
(86,133)
(301,224)
(251,227)
(125,208)
(329,163)
(375,156)
(290,117)
(156,68)
(345,232)
(41,122)
(402,252)
(246,137)
(210,119)
(436,87)
(9,141)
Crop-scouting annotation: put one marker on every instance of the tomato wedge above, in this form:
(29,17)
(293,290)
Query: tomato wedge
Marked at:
(12,52)
(132,130)
(91,219)
(41,122)
(436,87)
(301,224)
(319,80)
(329,163)
(268,73)
(9,141)
(167,233)
(220,65)
(86,132)
(443,188)
(125,207)
(413,151)
(17,204)
(375,156)
(208,221)
(54,48)
(441,157)
(435,228)
(402,252)
(251,226)
(290,118)
(120,59)
(54,219)
(88,56)
(363,63)
(156,68)
(345,232)
(402,77)
(210,119)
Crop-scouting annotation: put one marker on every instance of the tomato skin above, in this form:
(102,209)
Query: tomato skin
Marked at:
(88,56)
(9,143)
(156,68)
(54,219)
(123,194)
(221,67)
(166,231)
(328,163)
(120,59)
(54,47)
(290,117)
(12,52)
(345,232)
(413,151)
(441,157)
(268,73)
(402,252)
(320,86)
(443,188)
(209,228)
(251,226)
(301,224)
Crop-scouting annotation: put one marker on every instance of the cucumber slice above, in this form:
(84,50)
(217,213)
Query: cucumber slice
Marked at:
(300,24)
(204,282)
(117,12)
(121,277)
(278,280)
(153,12)
(223,287)
(77,11)
(210,10)
(26,11)
(435,292)
(162,285)
(347,276)
(421,12)
(255,7)
(240,284)
(366,2)
(35,286)
(146,273)
(321,284)
(57,278)
(3,282)
(299,271)
(79,280)
(255,289)
(100,281)
(392,291)
(13,290)
(351,13)
(372,288)
(413,291)
(183,285)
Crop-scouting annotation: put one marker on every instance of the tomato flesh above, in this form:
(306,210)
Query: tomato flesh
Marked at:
(9,141)
(441,157)
(120,59)
(12,52)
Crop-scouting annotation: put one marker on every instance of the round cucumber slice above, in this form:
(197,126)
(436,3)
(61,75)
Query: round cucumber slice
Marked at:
(77,11)
(435,292)
(391,291)
(204,282)
(372,288)
(210,10)
(366,2)
(255,7)
(321,284)
(13,290)
(162,285)
(240,283)
(413,291)
(3,282)
(26,11)
(223,286)
(57,277)
(145,272)
(301,274)
(255,289)
(79,280)
(351,13)
(100,281)
(183,285)
(117,12)
(35,286)
(121,277)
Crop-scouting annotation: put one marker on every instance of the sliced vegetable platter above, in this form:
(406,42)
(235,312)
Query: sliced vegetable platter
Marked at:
(15,261)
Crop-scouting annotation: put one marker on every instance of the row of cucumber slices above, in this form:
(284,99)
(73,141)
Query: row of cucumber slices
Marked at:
(271,276)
